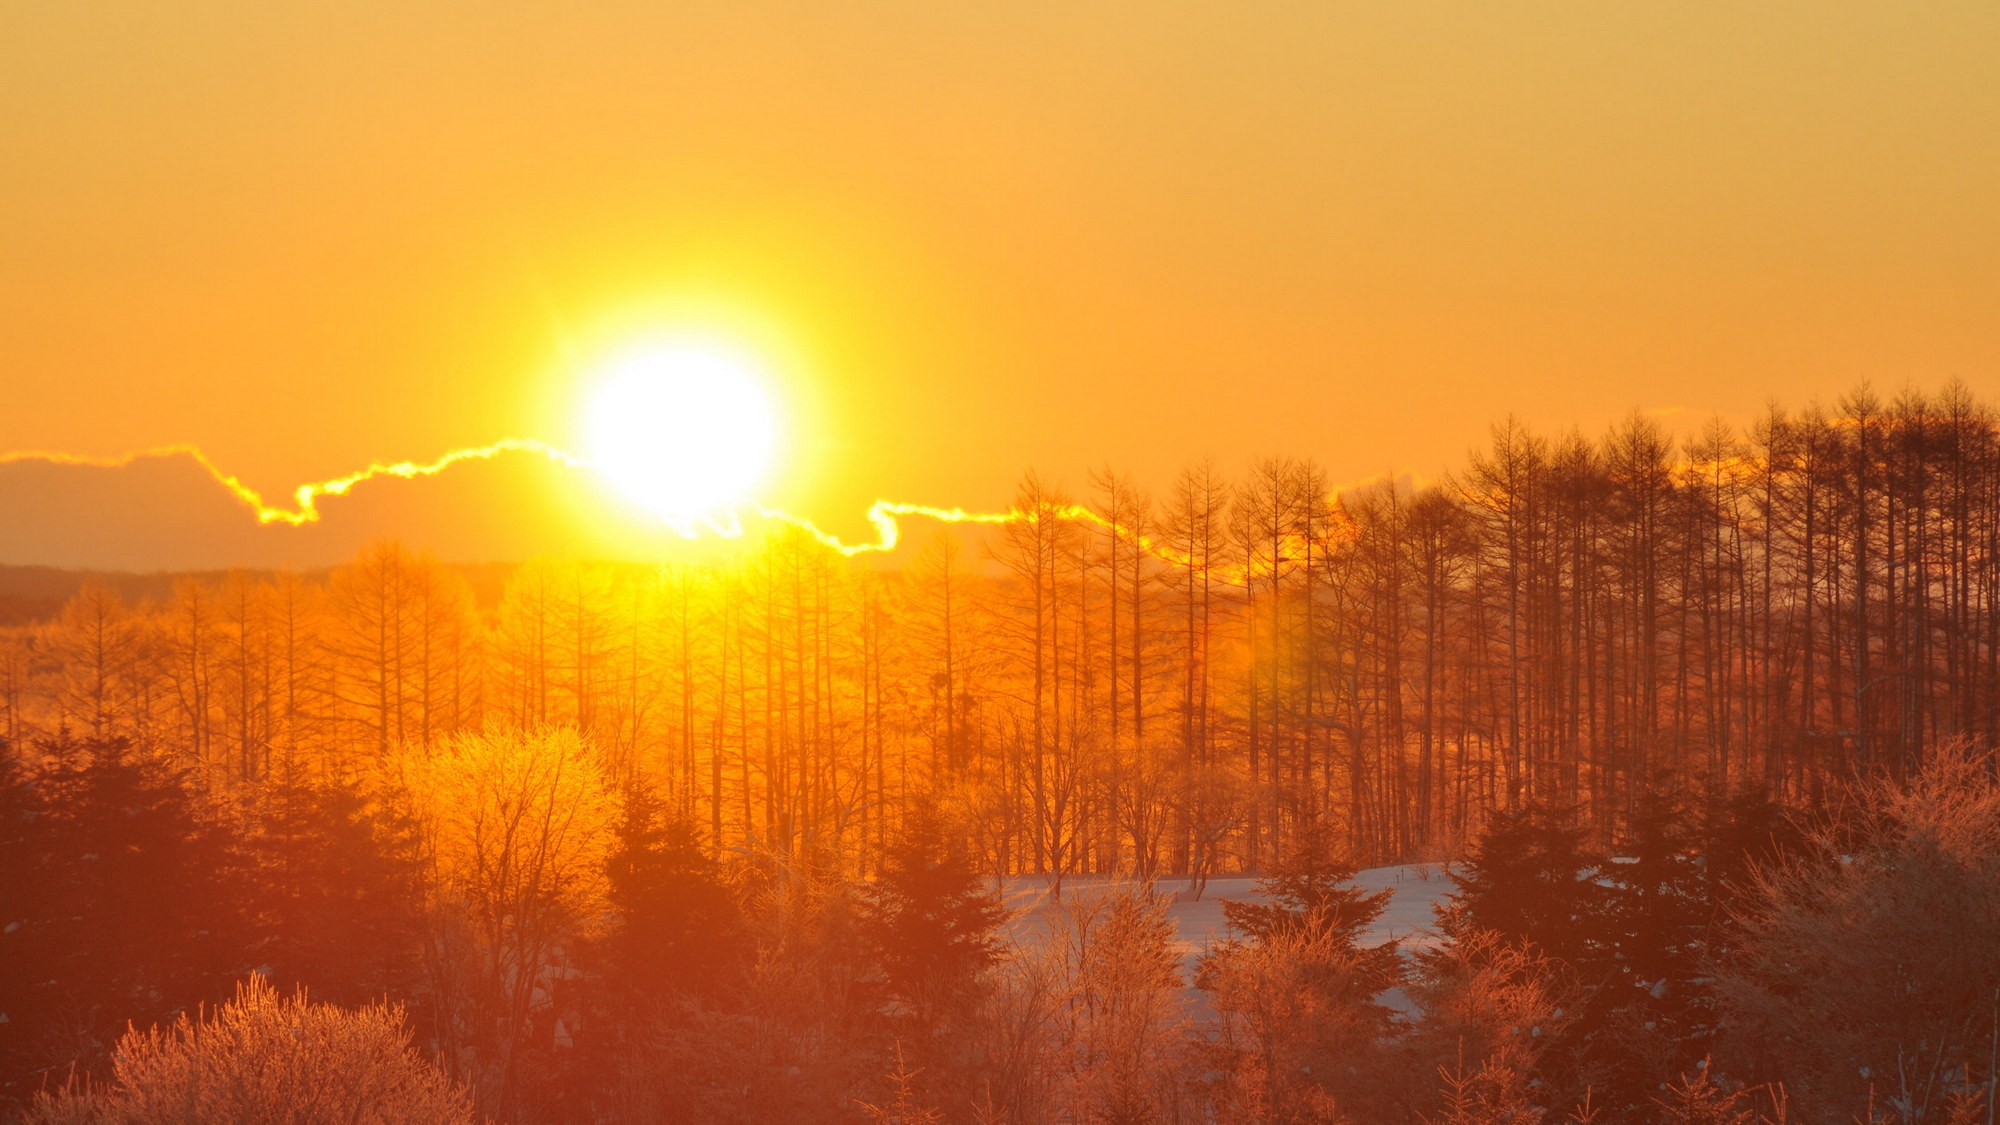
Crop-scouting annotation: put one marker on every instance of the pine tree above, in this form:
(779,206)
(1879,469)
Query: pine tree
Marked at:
(121,905)
(1298,993)
(1695,1099)
(1645,1012)
(1744,834)
(333,883)
(1311,891)
(904,1107)
(679,928)
(931,920)
(1312,898)
(1530,920)
(1530,878)
(1494,1094)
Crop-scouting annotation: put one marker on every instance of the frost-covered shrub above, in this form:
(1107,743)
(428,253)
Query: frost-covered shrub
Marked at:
(265,1058)
(1870,971)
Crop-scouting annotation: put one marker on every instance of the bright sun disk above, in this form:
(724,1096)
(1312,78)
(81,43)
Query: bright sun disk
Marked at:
(683,431)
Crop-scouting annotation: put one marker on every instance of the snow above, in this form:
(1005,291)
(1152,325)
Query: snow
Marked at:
(1416,891)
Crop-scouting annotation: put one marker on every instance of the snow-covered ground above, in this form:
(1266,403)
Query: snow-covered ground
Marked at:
(1198,923)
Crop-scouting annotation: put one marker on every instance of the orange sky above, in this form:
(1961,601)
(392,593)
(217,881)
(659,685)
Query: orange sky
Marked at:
(987,236)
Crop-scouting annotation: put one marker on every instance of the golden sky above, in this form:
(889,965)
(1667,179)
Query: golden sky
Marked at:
(984,237)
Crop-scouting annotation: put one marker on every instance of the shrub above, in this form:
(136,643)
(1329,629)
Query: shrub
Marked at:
(262,1058)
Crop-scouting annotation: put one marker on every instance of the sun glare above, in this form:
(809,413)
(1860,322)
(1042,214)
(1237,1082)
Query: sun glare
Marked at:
(682,430)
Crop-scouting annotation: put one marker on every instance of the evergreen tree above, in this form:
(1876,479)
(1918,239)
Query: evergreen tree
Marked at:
(931,919)
(1746,833)
(1644,1009)
(1695,1099)
(121,905)
(1656,894)
(334,887)
(1530,878)
(1298,992)
(1531,889)
(1311,897)
(679,929)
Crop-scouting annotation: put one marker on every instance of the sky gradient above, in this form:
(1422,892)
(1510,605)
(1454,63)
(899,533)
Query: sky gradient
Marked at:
(981,238)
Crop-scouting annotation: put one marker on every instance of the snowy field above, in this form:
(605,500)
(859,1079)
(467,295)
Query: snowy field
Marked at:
(1198,923)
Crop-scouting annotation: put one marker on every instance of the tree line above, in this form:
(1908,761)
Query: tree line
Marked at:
(719,843)
(493,930)
(1175,683)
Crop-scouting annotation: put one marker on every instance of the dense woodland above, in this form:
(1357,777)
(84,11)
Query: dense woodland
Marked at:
(1170,683)
(717,843)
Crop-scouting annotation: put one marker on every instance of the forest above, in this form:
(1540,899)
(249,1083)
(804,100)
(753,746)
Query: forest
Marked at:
(1696,727)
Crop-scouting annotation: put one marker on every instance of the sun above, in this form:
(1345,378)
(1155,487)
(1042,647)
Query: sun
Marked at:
(683,430)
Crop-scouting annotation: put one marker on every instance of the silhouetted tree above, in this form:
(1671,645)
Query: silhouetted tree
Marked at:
(1530,878)
(677,926)
(120,905)
(332,882)
(931,920)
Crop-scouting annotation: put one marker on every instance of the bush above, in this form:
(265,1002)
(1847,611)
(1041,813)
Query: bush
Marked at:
(1869,972)
(266,1058)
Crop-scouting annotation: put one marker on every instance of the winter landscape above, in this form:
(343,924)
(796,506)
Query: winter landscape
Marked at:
(1038,564)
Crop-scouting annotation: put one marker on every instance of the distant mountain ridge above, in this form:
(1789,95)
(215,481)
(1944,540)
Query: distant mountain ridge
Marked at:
(167,513)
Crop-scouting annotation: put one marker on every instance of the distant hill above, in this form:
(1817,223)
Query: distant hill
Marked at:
(30,595)
(166,513)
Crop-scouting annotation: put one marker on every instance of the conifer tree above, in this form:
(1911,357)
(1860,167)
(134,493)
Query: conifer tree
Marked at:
(1312,897)
(1530,920)
(332,881)
(931,919)
(1297,991)
(678,928)
(1696,1099)
(119,905)
(1646,1003)
(1530,878)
